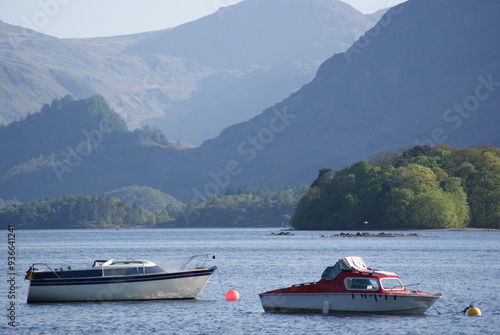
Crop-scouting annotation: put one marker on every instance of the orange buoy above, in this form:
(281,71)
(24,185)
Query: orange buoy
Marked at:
(232,295)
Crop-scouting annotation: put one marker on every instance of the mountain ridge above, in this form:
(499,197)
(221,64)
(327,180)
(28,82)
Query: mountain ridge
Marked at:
(394,98)
(166,91)
(399,85)
(233,30)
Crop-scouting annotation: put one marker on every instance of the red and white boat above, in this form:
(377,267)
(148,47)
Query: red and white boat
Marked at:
(349,286)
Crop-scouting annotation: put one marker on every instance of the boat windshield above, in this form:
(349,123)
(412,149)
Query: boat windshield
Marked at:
(361,284)
(391,284)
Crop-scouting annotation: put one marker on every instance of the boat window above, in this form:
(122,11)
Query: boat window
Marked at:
(125,271)
(391,284)
(361,283)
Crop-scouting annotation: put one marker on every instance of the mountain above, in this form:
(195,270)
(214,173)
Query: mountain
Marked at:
(427,73)
(261,32)
(36,68)
(263,51)
(219,70)
(79,147)
(64,123)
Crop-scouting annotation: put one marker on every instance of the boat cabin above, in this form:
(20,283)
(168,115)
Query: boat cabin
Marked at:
(366,281)
(100,268)
(351,275)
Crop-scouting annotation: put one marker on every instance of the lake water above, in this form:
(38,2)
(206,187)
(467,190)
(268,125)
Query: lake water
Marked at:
(462,265)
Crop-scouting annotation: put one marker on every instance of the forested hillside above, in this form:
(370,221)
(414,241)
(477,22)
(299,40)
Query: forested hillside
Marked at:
(243,207)
(78,147)
(236,207)
(64,122)
(79,212)
(425,187)
(147,198)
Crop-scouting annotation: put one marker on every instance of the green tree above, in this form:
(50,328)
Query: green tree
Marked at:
(416,178)
(324,177)
(425,187)
(479,169)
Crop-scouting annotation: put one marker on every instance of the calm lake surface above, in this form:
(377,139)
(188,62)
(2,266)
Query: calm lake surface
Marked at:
(462,265)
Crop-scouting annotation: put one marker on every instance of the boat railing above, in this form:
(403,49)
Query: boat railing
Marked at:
(405,287)
(416,286)
(190,259)
(46,265)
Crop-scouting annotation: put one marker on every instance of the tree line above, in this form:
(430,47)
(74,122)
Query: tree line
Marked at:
(424,187)
(73,211)
(236,207)
(239,206)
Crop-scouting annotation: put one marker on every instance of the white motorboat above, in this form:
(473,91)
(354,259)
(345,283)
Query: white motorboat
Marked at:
(113,279)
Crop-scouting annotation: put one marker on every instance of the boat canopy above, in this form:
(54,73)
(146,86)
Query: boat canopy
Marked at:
(353,263)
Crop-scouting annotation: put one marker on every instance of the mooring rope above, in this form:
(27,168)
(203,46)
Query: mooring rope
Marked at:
(220,281)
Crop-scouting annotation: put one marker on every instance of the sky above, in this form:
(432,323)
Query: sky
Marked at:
(97,18)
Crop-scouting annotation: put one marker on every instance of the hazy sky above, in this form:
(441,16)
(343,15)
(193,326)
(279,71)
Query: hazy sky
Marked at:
(91,18)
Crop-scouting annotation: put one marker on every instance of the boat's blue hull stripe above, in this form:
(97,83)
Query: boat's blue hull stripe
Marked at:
(118,280)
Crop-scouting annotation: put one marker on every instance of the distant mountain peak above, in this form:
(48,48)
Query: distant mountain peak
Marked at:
(207,70)
(262,32)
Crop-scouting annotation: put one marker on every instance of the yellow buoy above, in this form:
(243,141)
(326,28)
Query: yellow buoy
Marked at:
(473,311)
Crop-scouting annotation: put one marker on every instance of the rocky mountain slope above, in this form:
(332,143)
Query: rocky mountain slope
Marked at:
(191,81)
(427,73)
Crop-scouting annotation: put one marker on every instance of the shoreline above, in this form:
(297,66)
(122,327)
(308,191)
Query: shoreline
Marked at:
(401,230)
(382,234)
(459,229)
